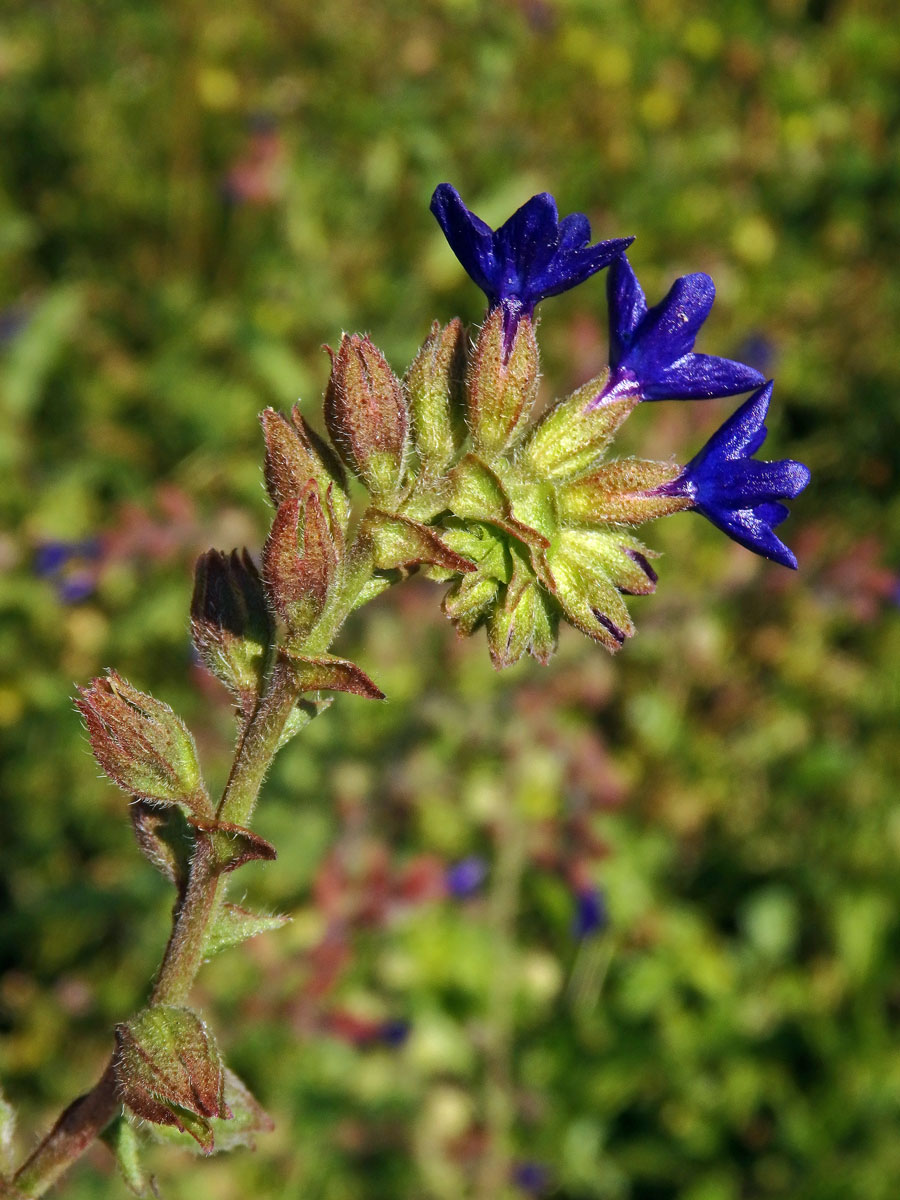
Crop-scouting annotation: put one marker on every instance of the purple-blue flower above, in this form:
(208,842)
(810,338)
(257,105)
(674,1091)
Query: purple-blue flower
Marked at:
(591,915)
(531,256)
(464,878)
(394,1033)
(742,495)
(651,349)
(52,560)
(531,1177)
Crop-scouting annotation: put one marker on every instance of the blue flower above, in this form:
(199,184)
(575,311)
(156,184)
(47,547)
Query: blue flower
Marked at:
(591,915)
(738,493)
(651,349)
(465,877)
(394,1033)
(531,1177)
(52,560)
(531,256)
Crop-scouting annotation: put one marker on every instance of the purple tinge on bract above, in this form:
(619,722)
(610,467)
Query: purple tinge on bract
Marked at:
(739,494)
(531,256)
(651,349)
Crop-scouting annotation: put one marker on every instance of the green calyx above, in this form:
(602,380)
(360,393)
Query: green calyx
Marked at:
(525,518)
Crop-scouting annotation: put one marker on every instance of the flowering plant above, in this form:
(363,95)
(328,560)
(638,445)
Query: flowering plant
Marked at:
(527,522)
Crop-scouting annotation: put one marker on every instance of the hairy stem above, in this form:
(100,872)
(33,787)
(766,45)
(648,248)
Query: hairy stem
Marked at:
(86,1118)
(75,1130)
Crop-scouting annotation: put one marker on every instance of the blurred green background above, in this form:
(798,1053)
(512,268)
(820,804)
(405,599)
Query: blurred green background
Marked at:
(193,197)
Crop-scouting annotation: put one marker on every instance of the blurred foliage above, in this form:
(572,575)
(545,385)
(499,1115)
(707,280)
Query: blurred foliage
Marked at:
(192,199)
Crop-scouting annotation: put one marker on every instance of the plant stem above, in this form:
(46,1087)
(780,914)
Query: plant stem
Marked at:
(86,1118)
(75,1130)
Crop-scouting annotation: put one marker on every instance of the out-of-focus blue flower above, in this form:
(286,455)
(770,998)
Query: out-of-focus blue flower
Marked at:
(76,587)
(591,914)
(531,1177)
(739,494)
(651,349)
(53,557)
(394,1032)
(465,877)
(531,256)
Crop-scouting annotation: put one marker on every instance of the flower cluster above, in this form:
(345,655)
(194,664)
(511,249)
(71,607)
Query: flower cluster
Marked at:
(545,516)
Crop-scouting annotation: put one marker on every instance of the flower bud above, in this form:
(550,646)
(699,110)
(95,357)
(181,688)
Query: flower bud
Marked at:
(590,601)
(623,560)
(470,600)
(168,1071)
(298,580)
(295,454)
(502,383)
(522,623)
(435,389)
(627,492)
(366,415)
(141,744)
(230,622)
(570,438)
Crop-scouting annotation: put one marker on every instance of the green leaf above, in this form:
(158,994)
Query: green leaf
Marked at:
(300,717)
(233,925)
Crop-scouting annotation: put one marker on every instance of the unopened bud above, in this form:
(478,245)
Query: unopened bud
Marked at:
(621,559)
(628,491)
(502,383)
(590,601)
(366,415)
(435,386)
(510,625)
(141,744)
(300,560)
(570,438)
(231,624)
(470,600)
(295,454)
(168,1071)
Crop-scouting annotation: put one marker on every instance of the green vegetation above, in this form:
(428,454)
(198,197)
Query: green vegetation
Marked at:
(192,199)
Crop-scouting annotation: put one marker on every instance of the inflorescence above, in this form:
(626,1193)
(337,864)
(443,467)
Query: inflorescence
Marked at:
(546,516)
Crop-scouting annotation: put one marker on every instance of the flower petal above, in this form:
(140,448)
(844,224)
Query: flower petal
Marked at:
(740,494)
(470,239)
(670,328)
(751,530)
(702,376)
(532,255)
(627,308)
